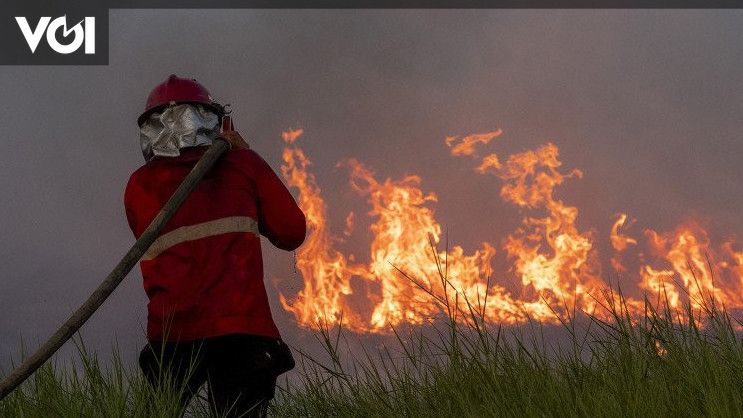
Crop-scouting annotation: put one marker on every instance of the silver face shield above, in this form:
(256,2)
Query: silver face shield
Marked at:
(184,125)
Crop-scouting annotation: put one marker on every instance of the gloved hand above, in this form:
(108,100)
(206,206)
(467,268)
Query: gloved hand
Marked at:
(235,140)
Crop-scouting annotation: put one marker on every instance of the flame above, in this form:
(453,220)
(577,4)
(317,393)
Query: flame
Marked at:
(402,260)
(326,272)
(691,256)
(620,242)
(565,273)
(466,145)
(660,283)
(408,279)
(737,262)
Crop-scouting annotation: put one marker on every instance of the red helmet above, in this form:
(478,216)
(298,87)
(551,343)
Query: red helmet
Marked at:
(178,90)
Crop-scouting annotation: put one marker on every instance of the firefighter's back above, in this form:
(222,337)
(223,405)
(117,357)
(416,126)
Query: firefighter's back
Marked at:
(204,274)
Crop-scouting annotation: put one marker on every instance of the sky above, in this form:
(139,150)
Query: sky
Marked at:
(647,104)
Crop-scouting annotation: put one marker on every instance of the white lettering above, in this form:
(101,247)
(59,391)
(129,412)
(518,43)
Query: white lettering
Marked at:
(90,35)
(51,36)
(33,38)
(82,32)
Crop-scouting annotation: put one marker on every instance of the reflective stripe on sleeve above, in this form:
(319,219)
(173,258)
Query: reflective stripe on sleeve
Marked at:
(202,230)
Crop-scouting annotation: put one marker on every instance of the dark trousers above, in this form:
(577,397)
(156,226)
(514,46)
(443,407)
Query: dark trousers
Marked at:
(241,370)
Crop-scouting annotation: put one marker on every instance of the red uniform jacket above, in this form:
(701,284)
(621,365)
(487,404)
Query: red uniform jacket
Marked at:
(204,273)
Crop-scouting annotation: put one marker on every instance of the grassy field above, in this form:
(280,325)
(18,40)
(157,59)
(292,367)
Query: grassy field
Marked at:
(659,365)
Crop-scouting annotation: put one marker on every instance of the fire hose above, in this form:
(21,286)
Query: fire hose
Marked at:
(104,290)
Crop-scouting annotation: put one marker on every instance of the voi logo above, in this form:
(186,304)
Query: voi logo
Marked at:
(83,33)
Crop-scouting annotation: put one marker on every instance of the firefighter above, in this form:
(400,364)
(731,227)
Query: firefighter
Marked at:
(208,314)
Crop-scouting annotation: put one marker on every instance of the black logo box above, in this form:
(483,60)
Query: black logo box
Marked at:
(15,48)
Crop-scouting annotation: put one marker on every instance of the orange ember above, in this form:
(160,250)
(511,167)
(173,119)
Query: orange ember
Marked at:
(408,280)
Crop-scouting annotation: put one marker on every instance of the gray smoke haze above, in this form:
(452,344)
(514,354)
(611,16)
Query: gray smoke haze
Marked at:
(647,103)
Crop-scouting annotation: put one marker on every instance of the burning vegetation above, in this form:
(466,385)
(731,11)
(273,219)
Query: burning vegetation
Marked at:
(555,263)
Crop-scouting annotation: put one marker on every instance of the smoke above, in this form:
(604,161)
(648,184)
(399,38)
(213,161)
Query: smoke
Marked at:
(646,104)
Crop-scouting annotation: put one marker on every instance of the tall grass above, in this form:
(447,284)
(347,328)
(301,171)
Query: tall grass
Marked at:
(90,390)
(652,367)
(667,363)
